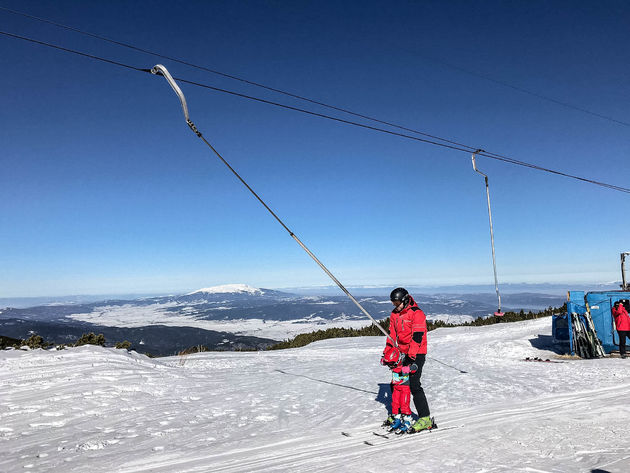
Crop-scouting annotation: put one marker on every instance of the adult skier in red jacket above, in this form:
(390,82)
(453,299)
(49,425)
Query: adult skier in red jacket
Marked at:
(622,322)
(408,327)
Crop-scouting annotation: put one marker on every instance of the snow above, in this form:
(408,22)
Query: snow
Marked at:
(99,409)
(229,289)
(451,318)
(130,315)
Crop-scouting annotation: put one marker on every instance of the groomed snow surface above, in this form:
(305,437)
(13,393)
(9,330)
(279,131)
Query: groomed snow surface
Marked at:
(92,409)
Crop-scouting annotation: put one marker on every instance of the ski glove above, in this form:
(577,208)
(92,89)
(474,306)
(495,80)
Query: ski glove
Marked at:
(412,368)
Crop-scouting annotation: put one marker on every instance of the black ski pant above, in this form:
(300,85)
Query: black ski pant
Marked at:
(622,341)
(419,399)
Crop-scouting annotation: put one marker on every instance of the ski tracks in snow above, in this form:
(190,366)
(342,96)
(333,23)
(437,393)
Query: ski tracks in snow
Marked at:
(550,434)
(96,409)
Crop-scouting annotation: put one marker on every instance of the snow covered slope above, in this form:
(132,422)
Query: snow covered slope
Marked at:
(96,409)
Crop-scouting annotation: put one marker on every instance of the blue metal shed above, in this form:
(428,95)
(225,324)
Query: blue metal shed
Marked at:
(599,305)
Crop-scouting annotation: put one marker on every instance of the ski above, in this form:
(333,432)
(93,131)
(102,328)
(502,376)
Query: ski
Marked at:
(595,341)
(393,436)
(407,436)
(585,341)
(546,360)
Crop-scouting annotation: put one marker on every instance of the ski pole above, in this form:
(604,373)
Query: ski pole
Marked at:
(161,70)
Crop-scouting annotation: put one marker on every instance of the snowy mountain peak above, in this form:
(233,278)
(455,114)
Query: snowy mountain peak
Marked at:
(229,289)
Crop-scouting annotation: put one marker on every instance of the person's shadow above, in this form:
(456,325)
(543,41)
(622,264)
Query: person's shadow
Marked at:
(384,395)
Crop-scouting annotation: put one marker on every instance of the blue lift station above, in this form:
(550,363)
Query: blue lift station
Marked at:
(597,305)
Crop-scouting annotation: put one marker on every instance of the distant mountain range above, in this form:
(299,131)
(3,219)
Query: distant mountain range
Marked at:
(368,290)
(506,288)
(235,316)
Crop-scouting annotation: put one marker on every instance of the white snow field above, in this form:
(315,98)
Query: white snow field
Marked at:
(93,409)
(128,315)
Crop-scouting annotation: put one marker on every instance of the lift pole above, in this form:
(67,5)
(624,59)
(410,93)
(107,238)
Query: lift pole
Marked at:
(498,313)
(624,285)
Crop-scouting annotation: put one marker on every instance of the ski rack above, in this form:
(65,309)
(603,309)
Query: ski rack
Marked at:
(498,313)
(159,69)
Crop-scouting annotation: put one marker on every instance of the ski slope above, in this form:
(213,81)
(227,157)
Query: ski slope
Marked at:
(99,409)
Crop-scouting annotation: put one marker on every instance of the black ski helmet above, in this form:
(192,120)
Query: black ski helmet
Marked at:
(399,294)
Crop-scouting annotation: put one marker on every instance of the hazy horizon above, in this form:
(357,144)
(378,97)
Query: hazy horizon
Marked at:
(327,290)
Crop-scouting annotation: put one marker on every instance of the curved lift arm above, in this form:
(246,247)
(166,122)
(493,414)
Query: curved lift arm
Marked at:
(494,261)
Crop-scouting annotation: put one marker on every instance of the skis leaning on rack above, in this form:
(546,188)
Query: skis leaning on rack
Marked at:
(585,341)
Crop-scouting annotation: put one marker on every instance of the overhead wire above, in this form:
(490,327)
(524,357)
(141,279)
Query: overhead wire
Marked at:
(307,99)
(456,147)
(525,91)
(229,76)
(73,51)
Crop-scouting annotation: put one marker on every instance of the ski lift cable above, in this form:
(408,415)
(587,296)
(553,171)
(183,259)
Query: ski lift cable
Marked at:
(525,91)
(73,51)
(497,157)
(313,101)
(494,261)
(161,70)
(467,148)
(231,76)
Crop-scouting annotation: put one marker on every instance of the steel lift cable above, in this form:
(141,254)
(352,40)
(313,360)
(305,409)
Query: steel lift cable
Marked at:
(498,313)
(230,76)
(467,148)
(313,101)
(523,90)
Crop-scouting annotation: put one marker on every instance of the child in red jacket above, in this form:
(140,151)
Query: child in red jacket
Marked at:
(622,322)
(401,392)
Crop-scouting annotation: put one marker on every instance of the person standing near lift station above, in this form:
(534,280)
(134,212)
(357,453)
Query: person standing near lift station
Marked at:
(408,327)
(622,322)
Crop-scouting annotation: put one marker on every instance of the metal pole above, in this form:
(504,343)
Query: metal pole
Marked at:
(624,285)
(494,261)
(161,70)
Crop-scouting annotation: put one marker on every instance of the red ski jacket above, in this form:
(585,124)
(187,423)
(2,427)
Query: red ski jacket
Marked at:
(622,319)
(409,328)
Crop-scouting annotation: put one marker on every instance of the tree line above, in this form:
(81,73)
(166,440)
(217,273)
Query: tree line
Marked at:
(306,338)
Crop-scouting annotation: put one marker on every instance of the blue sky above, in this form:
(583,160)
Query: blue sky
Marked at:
(104,189)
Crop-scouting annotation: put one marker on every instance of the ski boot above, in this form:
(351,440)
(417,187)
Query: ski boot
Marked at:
(423,423)
(389,421)
(396,424)
(405,424)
